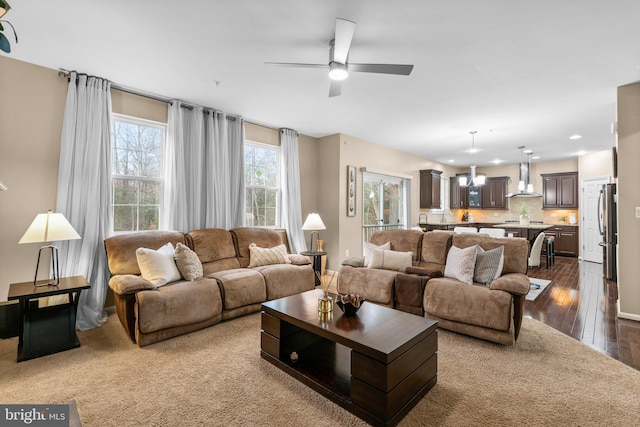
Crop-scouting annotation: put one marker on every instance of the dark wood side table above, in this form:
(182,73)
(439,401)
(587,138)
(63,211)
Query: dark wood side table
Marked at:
(317,263)
(47,330)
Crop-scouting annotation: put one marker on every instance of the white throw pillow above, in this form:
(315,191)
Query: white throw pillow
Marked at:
(488,265)
(188,262)
(266,256)
(461,264)
(158,266)
(368,247)
(390,260)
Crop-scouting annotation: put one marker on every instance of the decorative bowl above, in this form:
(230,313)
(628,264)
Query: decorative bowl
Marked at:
(349,304)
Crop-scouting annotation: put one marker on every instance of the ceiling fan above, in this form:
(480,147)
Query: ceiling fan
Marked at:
(339,67)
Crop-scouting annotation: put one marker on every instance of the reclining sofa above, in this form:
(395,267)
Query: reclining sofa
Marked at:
(228,288)
(492,312)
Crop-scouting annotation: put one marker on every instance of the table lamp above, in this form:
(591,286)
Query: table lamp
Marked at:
(49,227)
(313,223)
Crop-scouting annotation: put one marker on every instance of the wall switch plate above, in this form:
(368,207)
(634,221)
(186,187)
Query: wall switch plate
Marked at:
(637,211)
(346,252)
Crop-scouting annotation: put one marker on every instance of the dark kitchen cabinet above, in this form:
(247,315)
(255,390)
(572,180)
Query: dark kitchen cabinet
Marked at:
(430,189)
(494,193)
(560,190)
(458,195)
(566,239)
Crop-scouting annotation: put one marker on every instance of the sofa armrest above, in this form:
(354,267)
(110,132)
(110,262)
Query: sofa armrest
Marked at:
(297,259)
(514,283)
(422,271)
(354,261)
(123,284)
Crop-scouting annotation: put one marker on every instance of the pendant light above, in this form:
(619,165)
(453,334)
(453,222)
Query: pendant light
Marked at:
(475,180)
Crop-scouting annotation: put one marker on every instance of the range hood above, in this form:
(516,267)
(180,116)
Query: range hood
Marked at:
(525,188)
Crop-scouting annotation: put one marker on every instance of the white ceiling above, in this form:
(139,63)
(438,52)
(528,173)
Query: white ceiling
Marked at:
(526,73)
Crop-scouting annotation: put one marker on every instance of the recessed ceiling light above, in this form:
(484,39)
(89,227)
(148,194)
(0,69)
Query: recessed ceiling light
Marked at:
(575,136)
(535,157)
(528,151)
(497,161)
(451,161)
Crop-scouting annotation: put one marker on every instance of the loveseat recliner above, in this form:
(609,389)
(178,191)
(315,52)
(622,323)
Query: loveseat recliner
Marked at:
(229,287)
(493,312)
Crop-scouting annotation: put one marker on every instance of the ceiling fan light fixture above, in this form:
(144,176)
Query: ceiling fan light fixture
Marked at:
(338,71)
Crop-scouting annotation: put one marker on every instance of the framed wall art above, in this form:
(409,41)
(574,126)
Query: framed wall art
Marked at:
(351,191)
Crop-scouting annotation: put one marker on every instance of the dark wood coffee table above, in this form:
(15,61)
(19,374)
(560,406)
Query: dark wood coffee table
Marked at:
(377,365)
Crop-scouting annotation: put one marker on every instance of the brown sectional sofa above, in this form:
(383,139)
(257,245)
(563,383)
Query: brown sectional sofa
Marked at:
(228,289)
(492,312)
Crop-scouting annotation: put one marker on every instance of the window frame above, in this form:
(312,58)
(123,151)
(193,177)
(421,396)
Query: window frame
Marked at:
(138,121)
(278,198)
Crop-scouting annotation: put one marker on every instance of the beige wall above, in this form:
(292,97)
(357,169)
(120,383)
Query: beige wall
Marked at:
(628,200)
(338,151)
(31,110)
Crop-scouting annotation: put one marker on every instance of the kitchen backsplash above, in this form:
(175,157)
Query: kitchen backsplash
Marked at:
(534,206)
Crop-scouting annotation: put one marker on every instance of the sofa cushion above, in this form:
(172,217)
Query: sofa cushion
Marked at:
(516,249)
(188,263)
(267,256)
(121,248)
(488,265)
(262,237)
(460,264)
(373,284)
(435,247)
(389,260)
(158,266)
(240,287)
(177,304)
(471,304)
(401,240)
(282,280)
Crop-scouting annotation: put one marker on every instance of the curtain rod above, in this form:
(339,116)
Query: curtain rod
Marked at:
(67,74)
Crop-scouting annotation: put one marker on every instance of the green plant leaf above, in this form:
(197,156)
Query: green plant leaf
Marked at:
(4,44)
(1,27)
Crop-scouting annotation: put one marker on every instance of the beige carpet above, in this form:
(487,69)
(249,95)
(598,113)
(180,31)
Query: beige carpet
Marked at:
(215,377)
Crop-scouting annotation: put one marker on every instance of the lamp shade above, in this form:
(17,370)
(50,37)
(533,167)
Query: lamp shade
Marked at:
(49,227)
(4,8)
(313,223)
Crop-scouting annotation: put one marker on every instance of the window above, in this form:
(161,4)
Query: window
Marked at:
(136,173)
(262,184)
(384,203)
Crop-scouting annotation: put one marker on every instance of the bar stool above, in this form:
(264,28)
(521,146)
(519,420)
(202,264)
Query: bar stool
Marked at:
(549,241)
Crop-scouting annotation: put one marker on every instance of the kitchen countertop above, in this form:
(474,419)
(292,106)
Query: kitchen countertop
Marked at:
(500,224)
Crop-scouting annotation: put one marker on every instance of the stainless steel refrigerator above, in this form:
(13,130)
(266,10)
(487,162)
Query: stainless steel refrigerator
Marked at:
(608,226)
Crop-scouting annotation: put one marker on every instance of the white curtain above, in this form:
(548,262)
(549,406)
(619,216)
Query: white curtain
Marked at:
(204,169)
(84,190)
(291,201)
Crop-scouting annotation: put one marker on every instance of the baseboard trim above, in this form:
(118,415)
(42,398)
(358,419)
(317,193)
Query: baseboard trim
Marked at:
(628,316)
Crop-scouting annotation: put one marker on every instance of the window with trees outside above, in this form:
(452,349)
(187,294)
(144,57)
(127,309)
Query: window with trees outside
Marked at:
(262,184)
(136,173)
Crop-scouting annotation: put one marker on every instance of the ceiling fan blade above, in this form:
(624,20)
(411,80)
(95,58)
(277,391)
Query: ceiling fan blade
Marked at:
(344,35)
(403,70)
(335,89)
(296,64)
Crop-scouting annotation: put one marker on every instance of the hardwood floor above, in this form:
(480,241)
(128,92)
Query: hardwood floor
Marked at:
(581,303)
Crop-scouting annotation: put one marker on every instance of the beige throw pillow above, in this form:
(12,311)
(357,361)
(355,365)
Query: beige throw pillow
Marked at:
(158,266)
(390,260)
(368,247)
(461,264)
(266,256)
(188,262)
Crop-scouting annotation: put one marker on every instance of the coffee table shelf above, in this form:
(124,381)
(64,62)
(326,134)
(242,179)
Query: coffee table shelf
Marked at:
(376,365)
